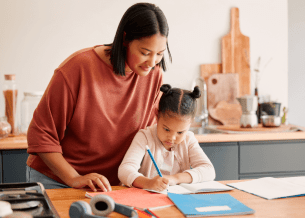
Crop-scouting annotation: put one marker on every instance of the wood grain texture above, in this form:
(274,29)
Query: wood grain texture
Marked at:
(206,70)
(236,54)
(260,128)
(222,87)
(285,207)
(227,113)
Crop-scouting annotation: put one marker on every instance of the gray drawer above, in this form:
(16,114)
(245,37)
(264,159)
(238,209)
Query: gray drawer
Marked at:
(272,156)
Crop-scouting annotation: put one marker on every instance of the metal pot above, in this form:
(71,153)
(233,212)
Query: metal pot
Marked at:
(271,120)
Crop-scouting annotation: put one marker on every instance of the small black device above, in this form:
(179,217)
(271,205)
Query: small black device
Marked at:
(100,206)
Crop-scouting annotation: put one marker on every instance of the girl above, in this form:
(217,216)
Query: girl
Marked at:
(175,149)
(95,104)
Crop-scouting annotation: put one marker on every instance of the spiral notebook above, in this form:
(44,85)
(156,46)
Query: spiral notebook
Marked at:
(196,205)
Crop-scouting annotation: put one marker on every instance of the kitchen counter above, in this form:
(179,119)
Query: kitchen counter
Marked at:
(235,156)
(13,143)
(243,137)
(20,142)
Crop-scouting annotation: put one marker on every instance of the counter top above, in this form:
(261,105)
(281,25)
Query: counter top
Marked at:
(209,138)
(13,143)
(20,142)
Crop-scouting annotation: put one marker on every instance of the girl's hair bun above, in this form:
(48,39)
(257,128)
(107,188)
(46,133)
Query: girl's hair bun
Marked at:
(166,88)
(196,92)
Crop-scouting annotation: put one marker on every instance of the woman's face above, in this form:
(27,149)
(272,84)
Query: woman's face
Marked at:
(143,54)
(172,130)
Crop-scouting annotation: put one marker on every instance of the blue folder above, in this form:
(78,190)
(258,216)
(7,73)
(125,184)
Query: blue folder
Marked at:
(194,205)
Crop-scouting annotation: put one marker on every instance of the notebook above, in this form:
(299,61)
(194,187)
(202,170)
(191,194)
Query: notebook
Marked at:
(185,188)
(136,197)
(195,205)
(272,188)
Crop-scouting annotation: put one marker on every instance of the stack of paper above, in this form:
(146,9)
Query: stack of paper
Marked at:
(272,188)
(184,188)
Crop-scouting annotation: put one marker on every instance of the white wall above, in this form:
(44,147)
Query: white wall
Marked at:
(37,35)
(296,57)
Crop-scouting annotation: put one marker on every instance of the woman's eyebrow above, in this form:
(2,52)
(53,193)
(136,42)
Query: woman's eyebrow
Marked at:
(150,50)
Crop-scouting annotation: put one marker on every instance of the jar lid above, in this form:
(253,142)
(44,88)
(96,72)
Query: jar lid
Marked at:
(35,94)
(9,76)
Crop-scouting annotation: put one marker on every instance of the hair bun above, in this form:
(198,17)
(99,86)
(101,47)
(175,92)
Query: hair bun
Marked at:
(196,92)
(166,88)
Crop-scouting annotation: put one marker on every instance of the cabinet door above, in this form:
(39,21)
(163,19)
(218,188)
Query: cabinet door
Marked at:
(272,158)
(14,166)
(224,157)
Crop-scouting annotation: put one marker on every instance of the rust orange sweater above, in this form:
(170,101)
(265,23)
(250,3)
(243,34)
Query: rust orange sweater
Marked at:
(91,115)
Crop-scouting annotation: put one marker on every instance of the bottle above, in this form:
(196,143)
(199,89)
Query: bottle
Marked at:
(28,106)
(5,127)
(258,111)
(10,96)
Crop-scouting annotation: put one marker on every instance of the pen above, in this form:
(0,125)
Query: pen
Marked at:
(153,160)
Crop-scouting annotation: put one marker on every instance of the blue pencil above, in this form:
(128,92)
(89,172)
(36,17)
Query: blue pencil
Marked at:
(153,160)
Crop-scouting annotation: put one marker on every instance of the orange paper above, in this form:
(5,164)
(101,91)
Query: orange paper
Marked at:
(135,197)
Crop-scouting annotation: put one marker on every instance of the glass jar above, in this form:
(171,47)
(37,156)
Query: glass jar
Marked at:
(10,95)
(5,127)
(28,106)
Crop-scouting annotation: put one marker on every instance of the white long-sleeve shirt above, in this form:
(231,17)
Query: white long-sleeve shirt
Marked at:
(188,157)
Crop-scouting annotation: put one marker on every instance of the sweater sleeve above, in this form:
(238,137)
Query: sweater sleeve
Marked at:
(129,168)
(202,168)
(51,117)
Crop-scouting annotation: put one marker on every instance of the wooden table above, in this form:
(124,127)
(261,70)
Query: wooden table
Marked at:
(285,207)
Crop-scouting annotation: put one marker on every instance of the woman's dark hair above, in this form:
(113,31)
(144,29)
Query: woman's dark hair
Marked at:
(178,101)
(139,21)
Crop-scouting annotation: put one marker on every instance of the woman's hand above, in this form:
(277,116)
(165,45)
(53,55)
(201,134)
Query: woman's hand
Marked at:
(92,180)
(157,183)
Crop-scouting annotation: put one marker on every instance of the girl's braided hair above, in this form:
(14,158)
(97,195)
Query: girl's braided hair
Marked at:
(178,101)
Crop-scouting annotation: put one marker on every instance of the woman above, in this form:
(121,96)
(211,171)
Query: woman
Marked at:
(96,102)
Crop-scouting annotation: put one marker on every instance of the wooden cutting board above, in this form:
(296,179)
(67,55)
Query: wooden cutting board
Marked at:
(260,128)
(235,51)
(206,70)
(227,113)
(223,88)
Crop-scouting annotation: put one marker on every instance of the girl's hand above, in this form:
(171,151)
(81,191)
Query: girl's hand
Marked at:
(157,183)
(92,180)
(172,180)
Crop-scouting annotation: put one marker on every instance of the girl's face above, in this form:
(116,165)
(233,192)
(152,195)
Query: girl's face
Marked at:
(172,130)
(143,54)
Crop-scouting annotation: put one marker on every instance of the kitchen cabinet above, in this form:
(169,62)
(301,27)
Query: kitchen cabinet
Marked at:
(224,156)
(256,159)
(273,158)
(13,166)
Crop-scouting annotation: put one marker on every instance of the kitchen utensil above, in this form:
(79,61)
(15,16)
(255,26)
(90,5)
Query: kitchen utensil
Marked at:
(227,113)
(271,108)
(271,120)
(236,54)
(223,87)
(202,107)
(206,70)
(249,106)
